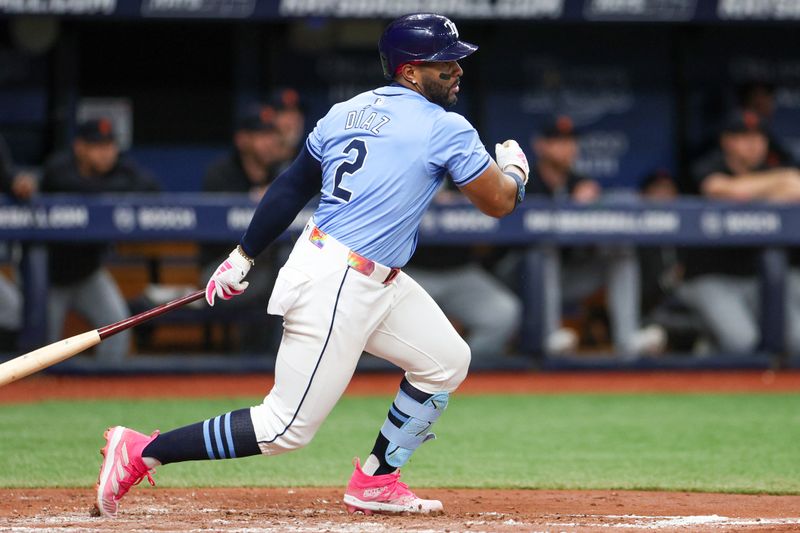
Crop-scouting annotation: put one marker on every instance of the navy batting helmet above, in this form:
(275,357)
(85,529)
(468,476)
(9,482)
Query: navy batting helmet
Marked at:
(420,37)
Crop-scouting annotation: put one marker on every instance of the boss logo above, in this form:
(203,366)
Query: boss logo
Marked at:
(124,219)
(711,223)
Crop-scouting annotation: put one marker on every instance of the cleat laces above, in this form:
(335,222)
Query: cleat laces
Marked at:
(134,477)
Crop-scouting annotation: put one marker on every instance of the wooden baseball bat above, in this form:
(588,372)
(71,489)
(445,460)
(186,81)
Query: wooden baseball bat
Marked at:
(39,359)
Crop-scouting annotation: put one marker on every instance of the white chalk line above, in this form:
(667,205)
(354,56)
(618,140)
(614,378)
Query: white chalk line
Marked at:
(669,522)
(79,522)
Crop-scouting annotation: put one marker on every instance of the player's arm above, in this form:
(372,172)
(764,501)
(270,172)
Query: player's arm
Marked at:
(499,188)
(286,196)
(778,185)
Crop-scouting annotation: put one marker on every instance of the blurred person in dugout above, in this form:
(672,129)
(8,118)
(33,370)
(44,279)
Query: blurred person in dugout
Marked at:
(291,123)
(660,265)
(20,186)
(254,160)
(759,97)
(78,279)
(572,274)
(488,313)
(722,283)
(661,271)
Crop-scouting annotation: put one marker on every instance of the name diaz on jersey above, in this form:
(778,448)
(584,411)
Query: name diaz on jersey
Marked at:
(361,120)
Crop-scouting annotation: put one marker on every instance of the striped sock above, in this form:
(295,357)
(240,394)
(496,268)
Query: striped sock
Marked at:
(226,436)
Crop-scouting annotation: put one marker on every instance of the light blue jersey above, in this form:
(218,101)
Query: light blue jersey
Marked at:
(384,154)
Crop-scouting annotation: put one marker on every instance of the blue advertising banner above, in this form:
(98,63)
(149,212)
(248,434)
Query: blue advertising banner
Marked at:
(718,68)
(621,106)
(196,217)
(658,11)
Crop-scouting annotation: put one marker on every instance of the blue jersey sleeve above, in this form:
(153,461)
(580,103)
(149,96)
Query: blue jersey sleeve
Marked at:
(314,141)
(456,148)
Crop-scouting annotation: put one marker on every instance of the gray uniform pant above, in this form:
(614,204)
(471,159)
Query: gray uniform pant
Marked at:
(99,300)
(10,305)
(616,268)
(488,310)
(730,308)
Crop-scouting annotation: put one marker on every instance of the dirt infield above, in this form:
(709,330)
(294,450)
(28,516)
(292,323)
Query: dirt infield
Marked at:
(306,510)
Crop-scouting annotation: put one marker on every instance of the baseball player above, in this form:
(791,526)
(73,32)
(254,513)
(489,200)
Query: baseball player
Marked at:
(377,160)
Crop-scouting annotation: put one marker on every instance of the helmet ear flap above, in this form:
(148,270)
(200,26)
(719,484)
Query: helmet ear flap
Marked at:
(387,70)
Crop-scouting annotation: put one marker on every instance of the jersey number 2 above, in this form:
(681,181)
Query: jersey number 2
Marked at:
(349,167)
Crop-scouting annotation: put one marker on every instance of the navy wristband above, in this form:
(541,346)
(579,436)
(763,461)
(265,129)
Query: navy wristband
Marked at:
(520,188)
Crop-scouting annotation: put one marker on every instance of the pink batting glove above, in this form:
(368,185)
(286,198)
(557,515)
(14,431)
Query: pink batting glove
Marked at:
(227,280)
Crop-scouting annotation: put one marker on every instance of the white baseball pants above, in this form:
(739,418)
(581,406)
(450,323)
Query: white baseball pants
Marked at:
(334,308)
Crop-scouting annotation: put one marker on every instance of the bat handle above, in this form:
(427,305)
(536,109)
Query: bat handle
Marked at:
(116,327)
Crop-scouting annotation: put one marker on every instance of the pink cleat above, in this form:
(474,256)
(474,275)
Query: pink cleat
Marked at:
(122,467)
(385,493)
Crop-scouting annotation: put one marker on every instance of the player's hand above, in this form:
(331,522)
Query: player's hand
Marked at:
(509,153)
(227,280)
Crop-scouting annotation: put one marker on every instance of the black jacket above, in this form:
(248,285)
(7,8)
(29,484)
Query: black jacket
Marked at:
(71,263)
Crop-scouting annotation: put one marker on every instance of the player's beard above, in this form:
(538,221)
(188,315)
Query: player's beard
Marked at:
(438,93)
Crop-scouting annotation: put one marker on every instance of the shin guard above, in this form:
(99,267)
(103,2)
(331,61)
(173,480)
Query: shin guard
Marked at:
(410,426)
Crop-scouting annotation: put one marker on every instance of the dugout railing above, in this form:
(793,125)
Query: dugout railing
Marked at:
(535,226)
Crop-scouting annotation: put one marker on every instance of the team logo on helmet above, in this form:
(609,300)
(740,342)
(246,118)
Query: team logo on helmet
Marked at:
(450,25)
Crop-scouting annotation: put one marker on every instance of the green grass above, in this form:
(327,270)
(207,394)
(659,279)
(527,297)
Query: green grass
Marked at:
(733,443)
